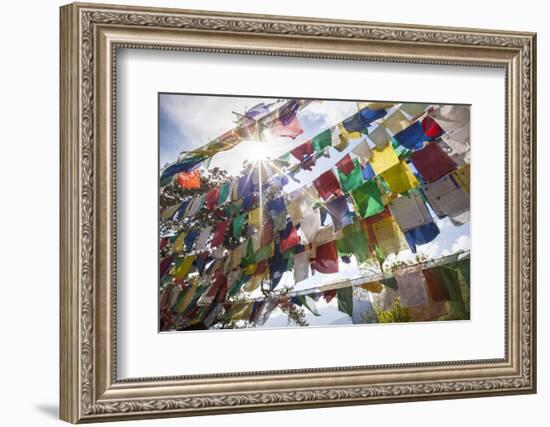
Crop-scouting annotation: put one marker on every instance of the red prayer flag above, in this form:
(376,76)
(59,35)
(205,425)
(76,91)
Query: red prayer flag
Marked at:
(267,235)
(326,258)
(431,128)
(220,285)
(435,289)
(302,151)
(329,295)
(345,165)
(432,162)
(292,130)
(189,180)
(327,185)
(219,233)
(211,199)
(261,267)
(289,241)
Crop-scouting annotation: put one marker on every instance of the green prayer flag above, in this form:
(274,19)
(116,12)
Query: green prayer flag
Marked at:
(353,180)
(323,140)
(224,192)
(262,254)
(367,199)
(448,277)
(390,282)
(238,224)
(345,300)
(464,268)
(249,257)
(354,242)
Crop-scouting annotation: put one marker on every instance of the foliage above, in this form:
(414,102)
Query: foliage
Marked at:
(396,313)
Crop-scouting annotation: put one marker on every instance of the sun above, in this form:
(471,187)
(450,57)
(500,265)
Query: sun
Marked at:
(257,152)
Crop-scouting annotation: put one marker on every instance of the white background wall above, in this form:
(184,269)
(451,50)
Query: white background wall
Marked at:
(29,170)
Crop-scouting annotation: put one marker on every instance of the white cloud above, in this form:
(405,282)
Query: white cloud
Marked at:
(462,243)
(329,113)
(431,250)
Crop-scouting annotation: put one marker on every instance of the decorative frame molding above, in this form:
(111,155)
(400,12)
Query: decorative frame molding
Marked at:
(90,36)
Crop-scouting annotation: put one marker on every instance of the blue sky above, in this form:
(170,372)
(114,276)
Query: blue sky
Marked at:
(188,122)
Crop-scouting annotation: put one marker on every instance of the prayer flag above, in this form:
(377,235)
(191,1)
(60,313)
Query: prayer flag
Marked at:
(414,110)
(310,224)
(329,295)
(367,199)
(326,258)
(327,185)
(276,206)
(189,180)
(431,128)
(301,266)
(383,159)
(354,242)
(389,237)
(302,151)
(288,237)
(190,239)
(225,191)
(412,137)
(339,212)
(368,173)
(379,137)
(238,225)
(437,291)
(432,162)
(241,311)
(165,264)
(446,197)
(353,179)
(421,235)
(290,130)
(345,165)
(455,121)
(396,122)
(211,198)
(411,288)
(362,151)
(321,141)
(410,211)
(400,178)
(219,233)
(185,165)
(345,300)
(363,312)
(245,186)
(178,243)
(183,266)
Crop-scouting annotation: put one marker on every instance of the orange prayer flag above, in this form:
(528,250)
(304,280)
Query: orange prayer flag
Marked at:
(189,180)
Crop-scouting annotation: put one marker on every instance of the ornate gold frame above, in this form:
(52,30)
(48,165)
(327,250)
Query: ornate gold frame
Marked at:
(90,36)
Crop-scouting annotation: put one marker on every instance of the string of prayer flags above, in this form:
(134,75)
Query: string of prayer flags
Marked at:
(383,159)
(432,162)
(352,179)
(410,211)
(399,178)
(189,180)
(431,128)
(339,212)
(412,137)
(327,185)
(396,122)
(321,141)
(421,235)
(367,199)
(411,288)
(326,258)
(345,300)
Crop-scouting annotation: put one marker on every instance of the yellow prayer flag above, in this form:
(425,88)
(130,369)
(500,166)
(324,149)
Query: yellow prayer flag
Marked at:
(178,243)
(384,159)
(346,134)
(400,178)
(182,305)
(241,311)
(256,217)
(170,211)
(181,271)
(374,287)
(379,105)
(389,236)
(462,177)
(253,283)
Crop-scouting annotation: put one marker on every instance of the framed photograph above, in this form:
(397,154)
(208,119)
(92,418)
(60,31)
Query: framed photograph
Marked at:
(267,212)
